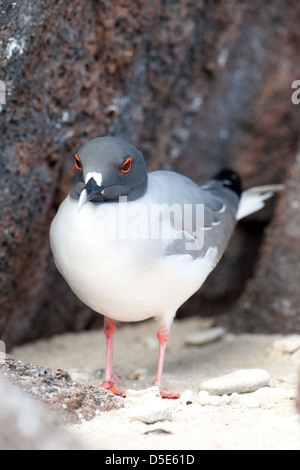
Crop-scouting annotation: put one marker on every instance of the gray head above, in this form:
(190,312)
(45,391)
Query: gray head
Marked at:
(107,168)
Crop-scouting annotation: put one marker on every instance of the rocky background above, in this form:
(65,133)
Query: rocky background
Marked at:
(196,86)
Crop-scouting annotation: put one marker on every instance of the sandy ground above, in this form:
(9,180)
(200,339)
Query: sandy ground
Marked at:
(269,424)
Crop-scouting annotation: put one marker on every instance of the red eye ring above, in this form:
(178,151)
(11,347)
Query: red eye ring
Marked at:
(77,163)
(126,165)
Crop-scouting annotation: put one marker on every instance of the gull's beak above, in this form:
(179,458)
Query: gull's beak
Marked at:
(82,200)
(91,192)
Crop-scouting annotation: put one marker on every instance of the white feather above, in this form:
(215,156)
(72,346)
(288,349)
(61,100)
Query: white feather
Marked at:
(253,199)
(98,177)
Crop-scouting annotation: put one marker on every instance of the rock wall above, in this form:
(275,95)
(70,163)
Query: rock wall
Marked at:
(195,85)
(271,301)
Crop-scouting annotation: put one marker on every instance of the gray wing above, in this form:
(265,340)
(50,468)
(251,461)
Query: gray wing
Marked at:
(203,217)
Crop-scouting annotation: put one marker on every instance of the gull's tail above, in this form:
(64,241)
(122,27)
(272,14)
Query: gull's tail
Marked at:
(253,199)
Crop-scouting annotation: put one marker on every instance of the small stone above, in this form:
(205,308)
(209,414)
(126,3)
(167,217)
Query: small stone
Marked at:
(209,335)
(147,406)
(137,396)
(289,344)
(241,381)
(150,413)
(204,398)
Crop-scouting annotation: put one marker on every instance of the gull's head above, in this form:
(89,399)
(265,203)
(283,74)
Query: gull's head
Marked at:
(107,168)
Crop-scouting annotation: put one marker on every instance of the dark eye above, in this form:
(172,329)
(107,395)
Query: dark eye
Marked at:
(126,165)
(78,163)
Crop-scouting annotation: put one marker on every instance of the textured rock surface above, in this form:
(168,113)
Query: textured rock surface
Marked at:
(271,301)
(28,426)
(196,85)
(72,402)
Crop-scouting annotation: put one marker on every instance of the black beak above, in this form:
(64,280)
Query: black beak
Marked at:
(94,192)
(91,192)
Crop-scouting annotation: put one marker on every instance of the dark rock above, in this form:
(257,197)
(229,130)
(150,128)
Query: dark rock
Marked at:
(72,402)
(271,301)
(25,425)
(195,85)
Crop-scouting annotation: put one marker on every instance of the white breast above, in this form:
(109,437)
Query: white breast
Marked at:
(127,278)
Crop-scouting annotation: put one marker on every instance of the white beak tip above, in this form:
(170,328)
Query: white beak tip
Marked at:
(82,200)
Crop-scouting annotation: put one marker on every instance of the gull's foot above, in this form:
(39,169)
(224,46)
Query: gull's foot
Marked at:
(112,387)
(169,395)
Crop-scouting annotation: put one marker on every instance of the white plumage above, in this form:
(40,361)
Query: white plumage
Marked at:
(132,265)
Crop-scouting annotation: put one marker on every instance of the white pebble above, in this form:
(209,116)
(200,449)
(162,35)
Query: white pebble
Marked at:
(241,381)
(150,413)
(147,406)
(204,398)
(199,338)
(137,396)
(289,344)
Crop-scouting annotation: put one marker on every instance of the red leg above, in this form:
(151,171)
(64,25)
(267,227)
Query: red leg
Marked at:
(109,382)
(163,336)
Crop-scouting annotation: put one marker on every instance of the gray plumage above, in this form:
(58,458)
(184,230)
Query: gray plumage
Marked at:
(133,245)
(85,250)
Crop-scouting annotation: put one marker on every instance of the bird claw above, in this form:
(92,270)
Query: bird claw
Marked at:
(169,395)
(111,386)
